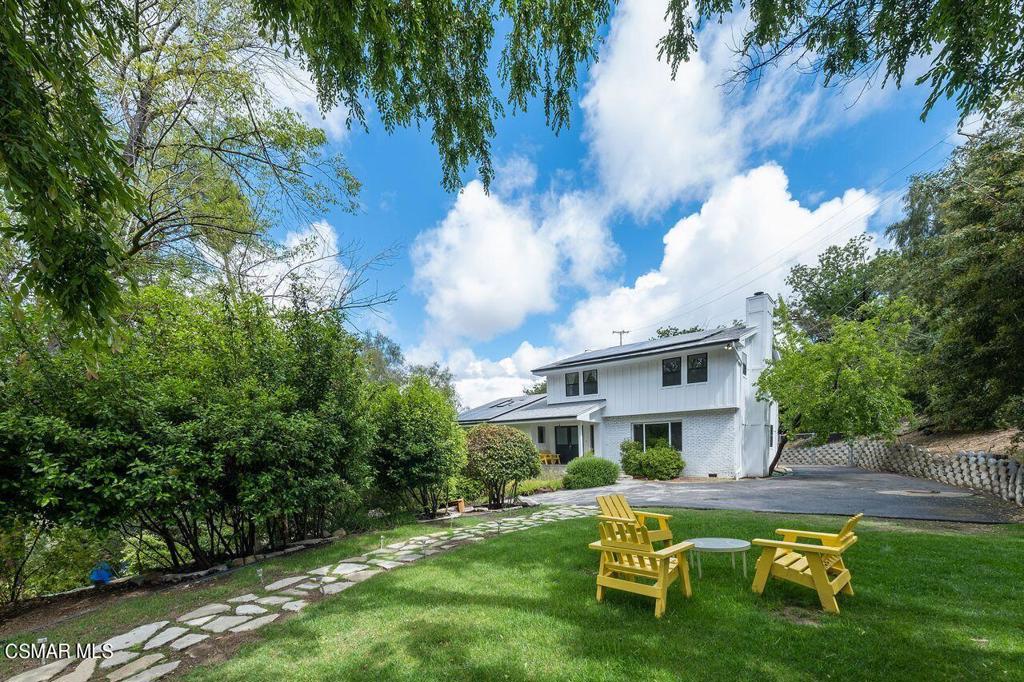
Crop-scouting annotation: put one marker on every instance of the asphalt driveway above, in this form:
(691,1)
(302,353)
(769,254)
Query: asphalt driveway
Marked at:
(813,490)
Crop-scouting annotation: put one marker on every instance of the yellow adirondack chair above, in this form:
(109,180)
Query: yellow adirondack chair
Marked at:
(819,567)
(616,508)
(628,557)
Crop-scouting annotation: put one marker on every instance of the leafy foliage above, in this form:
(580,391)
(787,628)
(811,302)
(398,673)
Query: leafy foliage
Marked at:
(659,461)
(422,61)
(36,560)
(629,450)
(419,446)
(61,172)
(538,388)
(973,50)
(845,278)
(385,364)
(852,384)
(962,248)
(219,428)
(590,472)
(500,457)
(672,330)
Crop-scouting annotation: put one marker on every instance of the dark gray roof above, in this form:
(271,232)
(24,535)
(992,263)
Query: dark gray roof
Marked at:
(541,410)
(654,346)
(496,408)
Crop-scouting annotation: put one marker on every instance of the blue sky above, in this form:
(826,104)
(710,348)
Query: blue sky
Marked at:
(666,202)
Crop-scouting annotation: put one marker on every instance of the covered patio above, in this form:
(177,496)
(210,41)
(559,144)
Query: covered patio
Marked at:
(567,430)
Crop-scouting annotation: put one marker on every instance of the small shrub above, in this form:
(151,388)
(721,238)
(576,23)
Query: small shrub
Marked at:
(629,451)
(659,462)
(590,472)
(499,458)
(540,485)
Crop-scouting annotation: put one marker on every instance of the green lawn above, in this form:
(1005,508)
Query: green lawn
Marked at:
(932,602)
(125,610)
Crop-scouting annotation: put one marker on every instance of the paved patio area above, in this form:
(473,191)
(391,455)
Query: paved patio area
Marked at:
(813,490)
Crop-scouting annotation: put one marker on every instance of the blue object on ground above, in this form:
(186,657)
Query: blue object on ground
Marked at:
(101,573)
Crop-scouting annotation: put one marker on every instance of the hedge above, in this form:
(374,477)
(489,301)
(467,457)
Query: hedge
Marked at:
(590,472)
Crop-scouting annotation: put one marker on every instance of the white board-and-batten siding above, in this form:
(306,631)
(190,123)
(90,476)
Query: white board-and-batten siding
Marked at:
(634,387)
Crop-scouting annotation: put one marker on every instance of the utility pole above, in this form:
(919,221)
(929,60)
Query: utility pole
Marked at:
(621,333)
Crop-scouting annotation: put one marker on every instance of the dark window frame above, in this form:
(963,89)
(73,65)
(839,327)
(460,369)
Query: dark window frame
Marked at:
(585,382)
(575,385)
(678,373)
(675,433)
(540,434)
(696,371)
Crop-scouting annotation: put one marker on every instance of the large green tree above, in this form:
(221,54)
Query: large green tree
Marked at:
(962,250)
(844,279)
(853,384)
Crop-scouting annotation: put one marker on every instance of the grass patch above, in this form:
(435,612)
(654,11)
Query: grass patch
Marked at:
(935,604)
(125,610)
(539,485)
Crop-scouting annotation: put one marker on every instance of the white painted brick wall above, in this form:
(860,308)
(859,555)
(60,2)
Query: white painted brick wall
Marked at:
(709,439)
(710,443)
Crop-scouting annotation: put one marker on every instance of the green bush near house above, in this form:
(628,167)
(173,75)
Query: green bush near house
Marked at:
(659,462)
(629,451)
(499,458)
(590,472)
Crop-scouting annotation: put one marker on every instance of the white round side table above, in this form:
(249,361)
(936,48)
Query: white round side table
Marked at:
(729,546)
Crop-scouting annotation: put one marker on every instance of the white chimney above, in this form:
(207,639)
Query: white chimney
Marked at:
(760,314)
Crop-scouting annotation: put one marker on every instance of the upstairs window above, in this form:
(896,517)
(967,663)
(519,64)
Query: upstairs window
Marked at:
(590,382)
(696,368)
(671,371)
(572,384)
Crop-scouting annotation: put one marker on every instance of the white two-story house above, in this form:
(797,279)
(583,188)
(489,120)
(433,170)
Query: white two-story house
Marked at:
(697,391)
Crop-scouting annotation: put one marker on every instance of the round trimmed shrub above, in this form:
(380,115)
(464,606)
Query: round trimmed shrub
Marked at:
(500,457)
(628,453)
(659,462)
(590,472)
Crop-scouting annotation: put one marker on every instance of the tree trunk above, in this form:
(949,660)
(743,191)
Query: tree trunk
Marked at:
(783,439)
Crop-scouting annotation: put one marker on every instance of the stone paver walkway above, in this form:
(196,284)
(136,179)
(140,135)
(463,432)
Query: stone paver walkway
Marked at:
(151,651)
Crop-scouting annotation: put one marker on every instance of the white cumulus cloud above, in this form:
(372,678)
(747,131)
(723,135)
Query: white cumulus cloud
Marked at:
(493,260)
(655,140)
(653,143)
(479,380)
(484,268)
(291,86)
(745,237)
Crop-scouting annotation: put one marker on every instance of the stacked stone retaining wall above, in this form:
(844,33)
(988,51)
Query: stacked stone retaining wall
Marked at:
(985,471)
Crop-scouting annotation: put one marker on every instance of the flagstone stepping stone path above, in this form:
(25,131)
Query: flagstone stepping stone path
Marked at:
(253,610)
